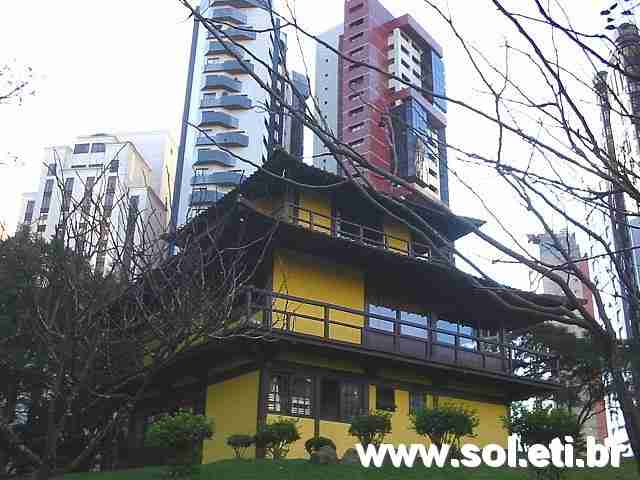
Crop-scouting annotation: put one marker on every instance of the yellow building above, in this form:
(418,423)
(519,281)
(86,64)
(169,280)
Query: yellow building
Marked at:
(348,313)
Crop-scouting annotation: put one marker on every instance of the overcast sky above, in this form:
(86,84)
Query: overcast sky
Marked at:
(120,65)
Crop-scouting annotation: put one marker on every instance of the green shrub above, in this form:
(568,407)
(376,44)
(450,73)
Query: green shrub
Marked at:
(180,433)
(540,425)
(277,437)
(240,444)
(445,424)
(371,427)
(315,443)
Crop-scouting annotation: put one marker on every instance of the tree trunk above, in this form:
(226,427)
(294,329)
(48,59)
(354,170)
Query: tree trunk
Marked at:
(629,412)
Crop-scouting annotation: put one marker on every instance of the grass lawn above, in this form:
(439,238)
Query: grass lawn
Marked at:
(303,470)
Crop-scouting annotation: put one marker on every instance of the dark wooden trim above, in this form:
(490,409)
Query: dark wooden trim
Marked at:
(322,372)
(316,401)
(263,389)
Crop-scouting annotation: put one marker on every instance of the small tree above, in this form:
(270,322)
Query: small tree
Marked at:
(240,444)
(371,428)
(541,425)
(277,437)
(445,424)
(316,443)
(180,433)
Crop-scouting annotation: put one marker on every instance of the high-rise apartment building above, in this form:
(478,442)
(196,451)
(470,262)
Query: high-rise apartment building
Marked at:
(228,116)
(618,92)
(597,425)
(104,179)
(392,125)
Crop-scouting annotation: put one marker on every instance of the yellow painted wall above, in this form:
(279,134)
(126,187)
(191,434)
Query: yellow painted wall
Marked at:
(306,430)
(312,278)
(490,429)
(339,433)
(397,236)
(319,203)
(233,404)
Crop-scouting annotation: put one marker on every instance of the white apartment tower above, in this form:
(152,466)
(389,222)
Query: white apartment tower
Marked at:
(117,177)
(327,88)
(228,116)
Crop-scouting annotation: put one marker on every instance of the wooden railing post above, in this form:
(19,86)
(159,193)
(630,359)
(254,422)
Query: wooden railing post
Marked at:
(456,346)
(361,231)
(326,322)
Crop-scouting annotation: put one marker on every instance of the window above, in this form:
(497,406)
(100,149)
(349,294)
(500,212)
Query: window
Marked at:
(357,7)
(98,148)
(357,36)
(340,400)
(28,212)
(419,323)
(447,326)
(385,399)
(416,401)
(81,148)
(88,192)
(356,23)
(411,323)
(110,194)
(46,196)
(357,127)
(356,111)
(114,165)
(380,324)
(290,395)
(42,228)
(51,170)
(67,194)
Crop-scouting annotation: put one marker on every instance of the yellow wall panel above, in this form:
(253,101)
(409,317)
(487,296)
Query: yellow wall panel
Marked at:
(323,281)
(233,404)
(397,235)
(312,203)
(339,433)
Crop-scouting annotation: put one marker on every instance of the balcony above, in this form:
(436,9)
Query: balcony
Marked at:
(343,326)
(222,81)
(231,102)
(229,179)
(204,198)
(229,15)
(229,66)
(215,157)
(353,232)
(227,139)
(240,3)
(223,48)
(235,33)
(219,119)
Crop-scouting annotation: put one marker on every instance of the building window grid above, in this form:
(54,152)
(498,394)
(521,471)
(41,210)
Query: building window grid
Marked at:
(67,194)
(28,213)
(46,196)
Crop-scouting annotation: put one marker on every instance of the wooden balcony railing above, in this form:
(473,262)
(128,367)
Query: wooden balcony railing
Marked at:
(355,232)
(351,327)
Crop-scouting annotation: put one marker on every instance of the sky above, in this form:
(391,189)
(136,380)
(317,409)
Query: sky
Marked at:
(121,65)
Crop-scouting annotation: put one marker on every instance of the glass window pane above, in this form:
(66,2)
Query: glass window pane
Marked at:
(415,318)
(386,325)
(413,331)
(449,327)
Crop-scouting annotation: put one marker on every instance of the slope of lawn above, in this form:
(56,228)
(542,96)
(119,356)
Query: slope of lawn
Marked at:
(303,470)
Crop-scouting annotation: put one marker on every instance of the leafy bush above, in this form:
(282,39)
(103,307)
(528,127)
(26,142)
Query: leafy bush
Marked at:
(371,427)
(315,443)
(240,443)
(180,433)
(445,424)
(540,425)
(277,437)
(543,424)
